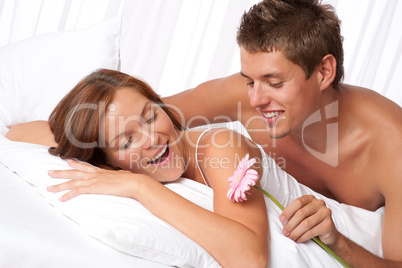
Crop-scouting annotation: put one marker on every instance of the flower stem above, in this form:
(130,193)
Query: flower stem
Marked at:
(315,239)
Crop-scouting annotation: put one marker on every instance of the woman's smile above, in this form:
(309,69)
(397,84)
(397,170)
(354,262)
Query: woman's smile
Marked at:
(162,156)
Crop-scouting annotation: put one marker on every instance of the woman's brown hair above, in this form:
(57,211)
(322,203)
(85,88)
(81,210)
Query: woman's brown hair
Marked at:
(303,30)
(76,120)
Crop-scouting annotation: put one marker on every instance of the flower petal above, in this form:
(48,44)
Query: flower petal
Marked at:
(241,180)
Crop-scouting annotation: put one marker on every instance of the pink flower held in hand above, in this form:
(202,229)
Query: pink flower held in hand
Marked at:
(241,180)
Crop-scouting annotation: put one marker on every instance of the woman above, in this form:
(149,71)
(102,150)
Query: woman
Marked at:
(118,123)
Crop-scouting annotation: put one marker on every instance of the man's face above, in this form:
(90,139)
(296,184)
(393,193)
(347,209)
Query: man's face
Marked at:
(279,90)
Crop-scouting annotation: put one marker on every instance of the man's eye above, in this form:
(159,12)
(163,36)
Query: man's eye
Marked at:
(249,84)
(276,85)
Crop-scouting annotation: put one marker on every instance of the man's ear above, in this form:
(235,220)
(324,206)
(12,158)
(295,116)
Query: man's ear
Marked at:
(327,70)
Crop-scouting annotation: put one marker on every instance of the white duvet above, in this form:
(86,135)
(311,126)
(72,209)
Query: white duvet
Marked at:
(127,226)
(34,75)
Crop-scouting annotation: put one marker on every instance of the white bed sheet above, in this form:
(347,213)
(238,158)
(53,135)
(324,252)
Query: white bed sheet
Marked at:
(34,234)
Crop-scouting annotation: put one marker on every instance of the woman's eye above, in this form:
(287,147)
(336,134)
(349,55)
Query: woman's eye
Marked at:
(127,144)
(152,119)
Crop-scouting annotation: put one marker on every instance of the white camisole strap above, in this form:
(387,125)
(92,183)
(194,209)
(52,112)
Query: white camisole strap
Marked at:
(196,154)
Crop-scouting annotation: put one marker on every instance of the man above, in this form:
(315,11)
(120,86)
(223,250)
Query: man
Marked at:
(340,140)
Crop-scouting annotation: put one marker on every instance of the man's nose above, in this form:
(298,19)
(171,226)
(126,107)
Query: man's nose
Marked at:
(258,96)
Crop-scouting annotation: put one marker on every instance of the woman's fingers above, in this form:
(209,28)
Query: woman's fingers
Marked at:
(68,185)
(67,174)
(79,171)
(81,166)
(80,177)
(74,188)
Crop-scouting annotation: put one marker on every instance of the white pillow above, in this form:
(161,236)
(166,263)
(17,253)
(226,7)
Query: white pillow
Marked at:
(121,223)
(126,225)
(37,72)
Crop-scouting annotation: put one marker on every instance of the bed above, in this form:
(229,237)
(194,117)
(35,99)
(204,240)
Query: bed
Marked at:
(36,230)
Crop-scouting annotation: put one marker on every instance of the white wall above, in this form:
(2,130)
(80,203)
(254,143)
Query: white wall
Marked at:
(177,44)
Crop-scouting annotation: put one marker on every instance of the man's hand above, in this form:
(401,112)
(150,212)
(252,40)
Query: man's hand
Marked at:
(308,217)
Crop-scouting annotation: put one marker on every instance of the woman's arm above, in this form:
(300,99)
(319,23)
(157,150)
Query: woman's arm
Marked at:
(250,216)
(235,234)
(37,132)
(230,240)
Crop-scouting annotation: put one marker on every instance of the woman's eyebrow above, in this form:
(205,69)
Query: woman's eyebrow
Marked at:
(145,108)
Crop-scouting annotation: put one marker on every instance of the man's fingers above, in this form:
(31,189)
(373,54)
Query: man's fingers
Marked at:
(312,219)
(302,220)
(294,206)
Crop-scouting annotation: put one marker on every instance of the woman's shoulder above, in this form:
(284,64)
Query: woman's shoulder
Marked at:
(227,143)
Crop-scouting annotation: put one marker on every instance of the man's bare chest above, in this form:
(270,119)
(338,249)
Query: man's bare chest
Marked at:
(348,182)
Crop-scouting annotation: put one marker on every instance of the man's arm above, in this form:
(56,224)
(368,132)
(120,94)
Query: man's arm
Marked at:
(214,101)
(390,179)
(308,217)
(37,132)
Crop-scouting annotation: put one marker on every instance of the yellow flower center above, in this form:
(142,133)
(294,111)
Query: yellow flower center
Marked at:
(238,177)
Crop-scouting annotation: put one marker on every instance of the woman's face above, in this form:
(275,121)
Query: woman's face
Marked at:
(140,137)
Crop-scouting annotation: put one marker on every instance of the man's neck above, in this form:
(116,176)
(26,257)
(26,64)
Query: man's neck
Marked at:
(320,129)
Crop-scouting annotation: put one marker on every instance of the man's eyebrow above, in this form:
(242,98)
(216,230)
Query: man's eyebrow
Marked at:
(245,76)
(279,75)
(264,76)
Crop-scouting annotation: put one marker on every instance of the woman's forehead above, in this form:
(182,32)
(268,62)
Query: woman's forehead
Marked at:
(127,107)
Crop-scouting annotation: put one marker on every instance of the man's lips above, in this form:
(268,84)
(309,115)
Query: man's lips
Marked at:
(271,116)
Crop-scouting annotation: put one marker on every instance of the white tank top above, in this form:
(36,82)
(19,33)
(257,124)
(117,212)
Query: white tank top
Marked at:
(196,153)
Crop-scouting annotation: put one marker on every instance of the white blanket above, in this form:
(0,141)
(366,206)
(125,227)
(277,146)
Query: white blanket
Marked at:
(125,225)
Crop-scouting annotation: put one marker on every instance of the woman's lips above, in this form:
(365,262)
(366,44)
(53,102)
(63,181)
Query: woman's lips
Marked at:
(162,156)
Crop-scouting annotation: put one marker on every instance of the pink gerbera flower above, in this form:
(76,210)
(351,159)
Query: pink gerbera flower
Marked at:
(241,180)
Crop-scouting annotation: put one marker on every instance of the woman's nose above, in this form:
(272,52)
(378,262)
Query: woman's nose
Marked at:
(148,137)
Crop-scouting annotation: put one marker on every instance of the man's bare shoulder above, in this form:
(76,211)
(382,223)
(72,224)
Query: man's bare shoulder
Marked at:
(371,108)
(376,117)
(380,119)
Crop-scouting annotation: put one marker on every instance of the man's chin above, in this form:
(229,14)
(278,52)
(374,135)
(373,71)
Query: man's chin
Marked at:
(277,134)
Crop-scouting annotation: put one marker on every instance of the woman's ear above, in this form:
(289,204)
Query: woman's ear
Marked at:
(327,70)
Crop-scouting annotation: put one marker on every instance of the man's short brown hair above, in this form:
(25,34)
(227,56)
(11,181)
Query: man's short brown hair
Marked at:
(304,30)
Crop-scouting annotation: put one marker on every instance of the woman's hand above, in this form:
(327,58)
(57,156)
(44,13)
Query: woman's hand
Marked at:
(87,179)
(308,217)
